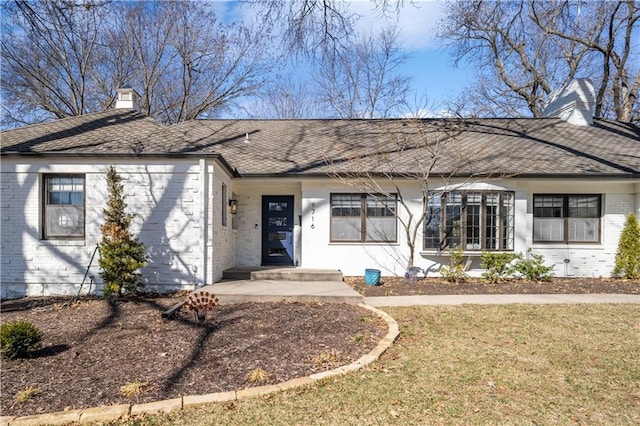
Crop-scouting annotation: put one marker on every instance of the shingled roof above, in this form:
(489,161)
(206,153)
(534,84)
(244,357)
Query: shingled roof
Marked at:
(114,131)
(523,147)
(483,146)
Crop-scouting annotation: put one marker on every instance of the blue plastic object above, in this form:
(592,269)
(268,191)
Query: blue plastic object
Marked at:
(372,276)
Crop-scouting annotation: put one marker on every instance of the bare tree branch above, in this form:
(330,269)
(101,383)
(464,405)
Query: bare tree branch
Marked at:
(524,49)
(364,81)
(67,57)
(314,28)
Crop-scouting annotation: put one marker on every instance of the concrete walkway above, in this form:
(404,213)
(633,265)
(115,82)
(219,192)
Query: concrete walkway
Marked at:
(339,292)
(499,299)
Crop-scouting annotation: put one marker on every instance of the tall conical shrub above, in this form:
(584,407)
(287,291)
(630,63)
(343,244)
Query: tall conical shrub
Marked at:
(628,255)
(121,254)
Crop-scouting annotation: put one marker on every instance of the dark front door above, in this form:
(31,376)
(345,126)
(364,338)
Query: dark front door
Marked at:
(277,230)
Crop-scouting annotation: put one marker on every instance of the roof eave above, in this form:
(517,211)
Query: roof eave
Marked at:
(606,176)
(151,155)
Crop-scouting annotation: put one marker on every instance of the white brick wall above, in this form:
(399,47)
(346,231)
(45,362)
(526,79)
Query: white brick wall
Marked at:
(249,231)
(165,199)
(619,199)
(164,195)
(222,239)
(179,206)
(586,260)
(48,266)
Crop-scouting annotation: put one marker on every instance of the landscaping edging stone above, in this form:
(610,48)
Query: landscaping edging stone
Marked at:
(123,411)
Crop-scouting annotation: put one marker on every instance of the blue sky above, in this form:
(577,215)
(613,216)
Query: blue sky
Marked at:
(429,65)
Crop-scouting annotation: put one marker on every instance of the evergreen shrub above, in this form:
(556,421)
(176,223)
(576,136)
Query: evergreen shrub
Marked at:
(533,268)
(454,273)
(121,254)
(628,255)
(18,339)
(497,265)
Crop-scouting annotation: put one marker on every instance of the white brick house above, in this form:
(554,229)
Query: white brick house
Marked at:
(560,189)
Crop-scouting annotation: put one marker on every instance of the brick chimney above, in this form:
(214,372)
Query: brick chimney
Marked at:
(127,98)
(575,103)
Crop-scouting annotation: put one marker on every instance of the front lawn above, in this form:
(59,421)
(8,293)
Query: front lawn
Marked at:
(505,364)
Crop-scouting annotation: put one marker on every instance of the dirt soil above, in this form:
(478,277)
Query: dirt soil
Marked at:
(397,286)
(91,349)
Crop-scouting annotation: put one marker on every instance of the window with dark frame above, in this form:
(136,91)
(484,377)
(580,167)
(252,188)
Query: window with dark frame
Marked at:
(363,218)
(560,218)
(224,204)
(469,220)
(63,206)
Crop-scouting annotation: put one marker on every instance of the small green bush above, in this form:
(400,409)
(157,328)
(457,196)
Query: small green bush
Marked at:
(628,254)
(18,339)
(497,265)
(454,273)
(533,268)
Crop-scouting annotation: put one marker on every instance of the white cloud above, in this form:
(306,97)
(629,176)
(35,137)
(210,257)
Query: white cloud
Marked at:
(417,21)
(234,12)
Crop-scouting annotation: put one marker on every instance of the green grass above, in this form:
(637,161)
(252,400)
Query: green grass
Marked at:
(517,365)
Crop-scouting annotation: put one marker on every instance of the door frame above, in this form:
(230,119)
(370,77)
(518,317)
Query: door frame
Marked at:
(287,229)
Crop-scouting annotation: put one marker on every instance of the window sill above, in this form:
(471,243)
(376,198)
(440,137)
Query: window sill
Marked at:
(468,253)
(564,246)
(63,243)
(362,243)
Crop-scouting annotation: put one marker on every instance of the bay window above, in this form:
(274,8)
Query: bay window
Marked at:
(469,220)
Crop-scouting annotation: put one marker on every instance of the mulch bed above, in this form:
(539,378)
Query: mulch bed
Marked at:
(397,286)
(91,349)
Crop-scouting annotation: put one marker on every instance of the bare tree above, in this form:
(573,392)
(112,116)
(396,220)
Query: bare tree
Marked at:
(524,50)
(606,29)
(518,65)
(412,151)
(309,27)
(423,173)
(313,26)
(285,98)
(363,80)
(66,58)
(49,51)
(190,65)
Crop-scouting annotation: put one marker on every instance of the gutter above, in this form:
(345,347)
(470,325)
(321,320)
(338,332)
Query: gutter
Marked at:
(121,155)
(608,176)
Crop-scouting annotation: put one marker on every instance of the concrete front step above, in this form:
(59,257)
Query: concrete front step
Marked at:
(229,292)
(236,274)
(297,274)
(281,274)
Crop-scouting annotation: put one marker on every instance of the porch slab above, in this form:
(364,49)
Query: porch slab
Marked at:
(297,274)
(279,273)
(243,291)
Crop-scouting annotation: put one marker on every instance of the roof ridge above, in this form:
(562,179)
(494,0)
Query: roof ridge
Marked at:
(245,120)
